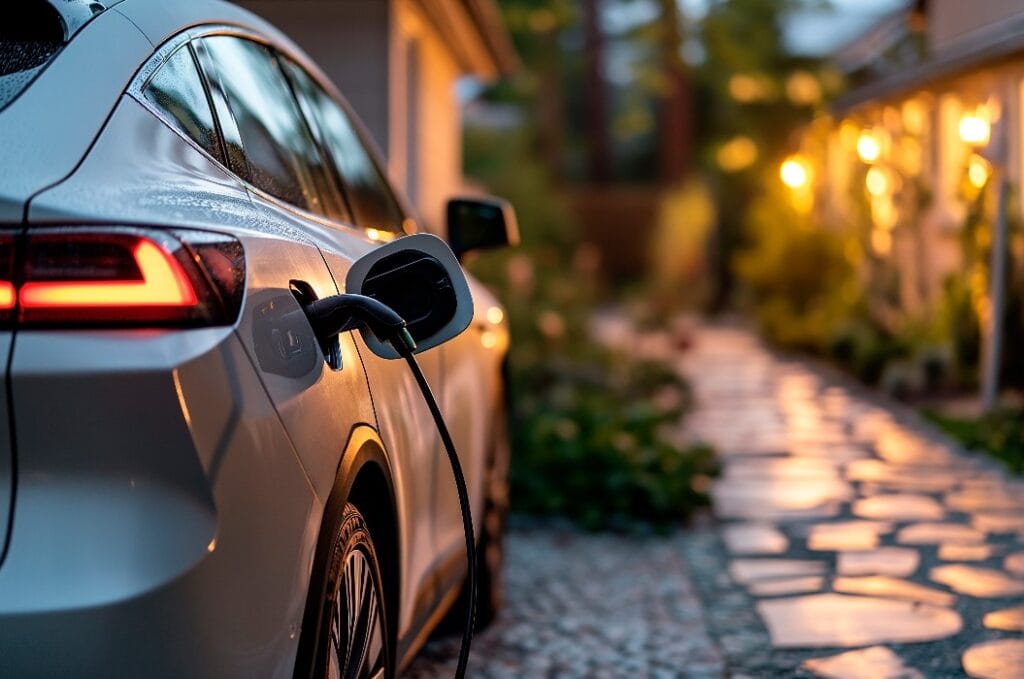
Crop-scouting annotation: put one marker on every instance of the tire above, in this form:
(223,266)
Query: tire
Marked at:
(347,631)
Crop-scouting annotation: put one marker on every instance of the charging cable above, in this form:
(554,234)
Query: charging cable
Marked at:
(338,313)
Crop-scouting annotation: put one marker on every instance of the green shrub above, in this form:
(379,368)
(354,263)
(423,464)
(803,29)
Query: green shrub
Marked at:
(1000,433)
(596,444)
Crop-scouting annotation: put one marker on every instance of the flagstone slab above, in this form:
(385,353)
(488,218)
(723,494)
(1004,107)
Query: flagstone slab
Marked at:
(876,662)
(745,571)
(787,586)
(754,538)
(962,552)
(988,499)
(895,561)
(990,522)
(1000,659)
(1014,563)
(899,507)
(930,533)
(895,588)
(840,620)
(902,477)
(842,536)
(1007,619)
(976,581)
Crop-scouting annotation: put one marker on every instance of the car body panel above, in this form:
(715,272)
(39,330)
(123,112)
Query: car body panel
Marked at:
(204,452)
(6,453)
(47,130)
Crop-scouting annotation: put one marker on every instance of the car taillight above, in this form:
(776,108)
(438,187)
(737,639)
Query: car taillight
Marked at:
(88,276)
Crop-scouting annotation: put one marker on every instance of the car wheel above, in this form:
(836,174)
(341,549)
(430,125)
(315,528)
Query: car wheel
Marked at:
(350,636)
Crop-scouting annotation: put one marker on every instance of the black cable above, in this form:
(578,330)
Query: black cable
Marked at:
(460,486)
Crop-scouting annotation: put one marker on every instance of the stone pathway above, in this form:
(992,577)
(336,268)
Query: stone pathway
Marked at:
(584,605)
(853,540)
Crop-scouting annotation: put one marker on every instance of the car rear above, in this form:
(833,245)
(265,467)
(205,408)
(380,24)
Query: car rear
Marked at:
(135,434)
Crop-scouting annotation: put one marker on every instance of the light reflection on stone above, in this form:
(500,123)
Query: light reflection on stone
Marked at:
(935,533)
(837,620)
(846,535)
(781,586)
(897,561)
(989,499)
(1007,619)
(962,552)
(754,538)
(998,522)
(1000,659)
(745,571)
(1014,563)
(977,582)
(877,662)
(899,507)
(883,585)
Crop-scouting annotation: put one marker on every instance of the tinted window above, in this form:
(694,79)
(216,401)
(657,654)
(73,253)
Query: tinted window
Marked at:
(177,91)
(30,36)
(368,193)
(281,156)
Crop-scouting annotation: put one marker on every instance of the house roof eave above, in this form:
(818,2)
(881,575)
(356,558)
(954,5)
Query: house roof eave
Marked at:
(991,45)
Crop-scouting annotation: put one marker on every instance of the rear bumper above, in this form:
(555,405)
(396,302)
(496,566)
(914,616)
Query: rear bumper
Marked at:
(162,523)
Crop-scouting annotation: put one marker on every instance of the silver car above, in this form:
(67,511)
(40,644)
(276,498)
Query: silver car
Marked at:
(192,482)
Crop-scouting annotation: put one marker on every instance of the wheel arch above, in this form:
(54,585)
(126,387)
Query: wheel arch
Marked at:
(364,478)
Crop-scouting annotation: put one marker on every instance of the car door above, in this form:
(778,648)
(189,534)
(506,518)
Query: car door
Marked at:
(406,426)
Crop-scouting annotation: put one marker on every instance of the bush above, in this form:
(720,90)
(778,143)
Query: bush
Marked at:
(1000,433)
(593,434)
(596,445)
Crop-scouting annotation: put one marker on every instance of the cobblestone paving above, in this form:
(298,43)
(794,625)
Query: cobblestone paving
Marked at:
(852,540)
(582,605)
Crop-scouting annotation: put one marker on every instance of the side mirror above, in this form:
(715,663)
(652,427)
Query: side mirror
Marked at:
(481,224)
(420,278)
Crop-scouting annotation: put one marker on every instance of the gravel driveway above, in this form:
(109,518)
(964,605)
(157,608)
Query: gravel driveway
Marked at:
(584,605)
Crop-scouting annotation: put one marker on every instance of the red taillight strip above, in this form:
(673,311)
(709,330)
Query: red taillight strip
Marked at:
(7,296)
(163,284)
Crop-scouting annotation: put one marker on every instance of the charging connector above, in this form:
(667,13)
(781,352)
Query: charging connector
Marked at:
(340,313)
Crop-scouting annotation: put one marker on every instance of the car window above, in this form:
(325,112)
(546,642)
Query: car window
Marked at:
(177,90)
(369,196)
(282,158)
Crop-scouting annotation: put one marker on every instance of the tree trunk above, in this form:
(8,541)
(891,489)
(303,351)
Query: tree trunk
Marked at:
(595,97)
(676,115)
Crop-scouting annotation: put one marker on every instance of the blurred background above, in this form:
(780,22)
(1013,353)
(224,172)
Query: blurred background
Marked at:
(842,176)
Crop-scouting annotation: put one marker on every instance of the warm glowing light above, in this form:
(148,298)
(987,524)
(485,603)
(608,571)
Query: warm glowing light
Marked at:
(495,315)
(488,339)
(975,130)
(373,234)
(978,171)
(849,132)
(737,154)
(803,89)
(6,295)
(868,147)
(212,546)
(163,283)
(747,88)
(881,241)
(877,181)
(914,116)
(795,173)
(884,213)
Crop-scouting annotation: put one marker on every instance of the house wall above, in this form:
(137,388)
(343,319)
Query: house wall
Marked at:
(950,20)
(400,75)
(349,39)
(426,122)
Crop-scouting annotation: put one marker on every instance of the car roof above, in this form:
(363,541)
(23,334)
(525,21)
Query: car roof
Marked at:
(50,127)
